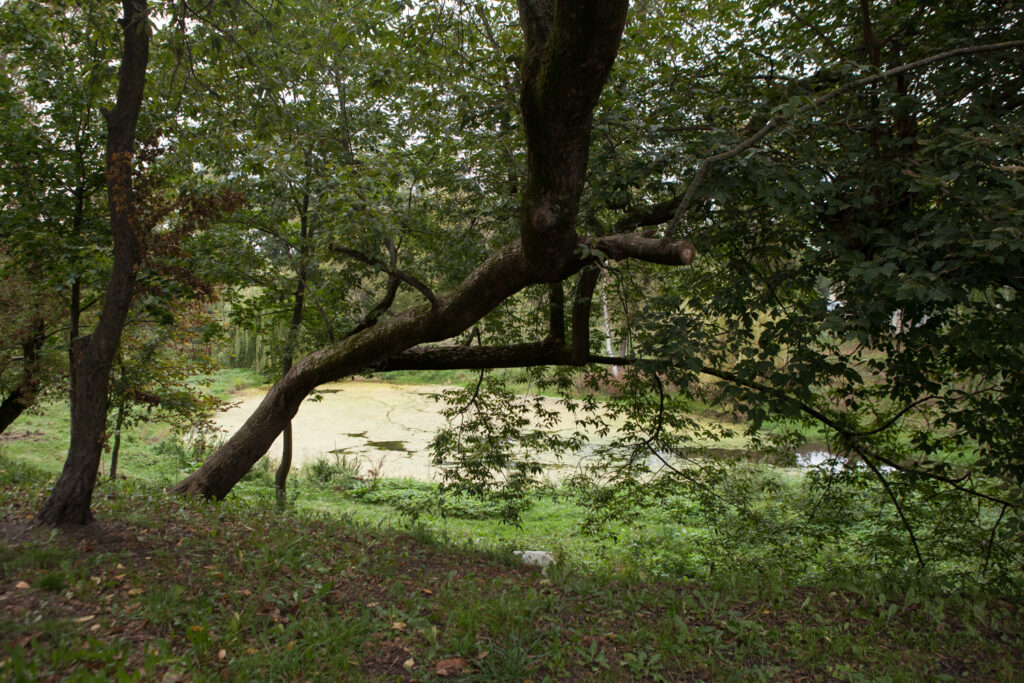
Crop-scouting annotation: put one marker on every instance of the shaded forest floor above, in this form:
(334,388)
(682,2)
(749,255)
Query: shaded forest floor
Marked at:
(165,589)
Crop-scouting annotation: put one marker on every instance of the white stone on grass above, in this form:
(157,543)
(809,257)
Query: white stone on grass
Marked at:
(535,558)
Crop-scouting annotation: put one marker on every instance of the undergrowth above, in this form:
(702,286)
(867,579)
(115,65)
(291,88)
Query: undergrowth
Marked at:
(163,588)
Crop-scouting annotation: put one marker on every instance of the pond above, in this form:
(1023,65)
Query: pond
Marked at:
(386,427)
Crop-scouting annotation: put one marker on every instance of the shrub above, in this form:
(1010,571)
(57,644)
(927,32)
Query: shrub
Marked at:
(341,471)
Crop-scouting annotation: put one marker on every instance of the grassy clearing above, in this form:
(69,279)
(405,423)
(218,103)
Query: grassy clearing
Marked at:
(166,587)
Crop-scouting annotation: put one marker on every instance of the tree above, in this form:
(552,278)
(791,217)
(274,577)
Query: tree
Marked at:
(571,43)
(70,500)
(838,168)
(849,177)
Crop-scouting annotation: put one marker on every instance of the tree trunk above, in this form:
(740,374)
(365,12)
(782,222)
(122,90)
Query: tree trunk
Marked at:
(115,450)
(299,299)
(71,498)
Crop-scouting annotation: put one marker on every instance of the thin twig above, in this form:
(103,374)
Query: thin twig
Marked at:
(899,508)
(991,541)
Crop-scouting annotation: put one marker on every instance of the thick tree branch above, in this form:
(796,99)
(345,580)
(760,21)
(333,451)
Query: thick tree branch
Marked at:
(581,314)
(570,48)
(644,247)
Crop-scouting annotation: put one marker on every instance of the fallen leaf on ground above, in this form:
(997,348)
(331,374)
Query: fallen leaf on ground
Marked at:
(447,667)
(399,626)
(482,655)
(135,591)
(82,620)
(426,591)
(409,663)
(222,653)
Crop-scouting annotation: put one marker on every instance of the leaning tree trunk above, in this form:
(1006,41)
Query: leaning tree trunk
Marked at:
(71,498)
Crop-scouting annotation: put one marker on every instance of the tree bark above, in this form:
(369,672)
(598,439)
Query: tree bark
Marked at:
(570,50)
(71,498)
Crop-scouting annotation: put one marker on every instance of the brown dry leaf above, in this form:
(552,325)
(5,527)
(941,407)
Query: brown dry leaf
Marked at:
(289,646)
(448,667)
(426,591)
(119,577)
(119,566)
(482,656)
(372,604)
(409,663)
(222,653)
(399,626)
(82,620)
(135,591)
(22,585)
(245,591)
(94,627)
(251,651)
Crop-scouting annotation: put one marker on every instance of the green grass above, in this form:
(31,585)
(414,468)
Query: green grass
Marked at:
(356,577)
(225,382)
(165,587)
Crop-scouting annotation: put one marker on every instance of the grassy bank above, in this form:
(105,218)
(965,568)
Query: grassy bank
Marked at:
(162,588)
